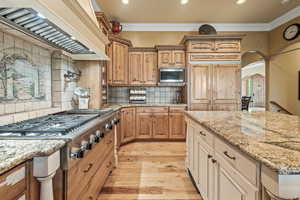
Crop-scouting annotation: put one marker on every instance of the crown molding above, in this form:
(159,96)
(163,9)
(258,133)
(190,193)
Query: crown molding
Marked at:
(220,27)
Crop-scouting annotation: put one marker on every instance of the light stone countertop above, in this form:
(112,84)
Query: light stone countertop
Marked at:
(117,107)
(14,152)
(270,138)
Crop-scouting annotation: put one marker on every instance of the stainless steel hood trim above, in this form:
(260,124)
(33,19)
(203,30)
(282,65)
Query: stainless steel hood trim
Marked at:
(29,22)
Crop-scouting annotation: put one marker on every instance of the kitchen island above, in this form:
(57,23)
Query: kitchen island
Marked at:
(248,155)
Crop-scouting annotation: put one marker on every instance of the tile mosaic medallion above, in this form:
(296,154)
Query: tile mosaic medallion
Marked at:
(21,79)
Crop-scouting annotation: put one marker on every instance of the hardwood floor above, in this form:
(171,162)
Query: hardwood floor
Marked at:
(150,171)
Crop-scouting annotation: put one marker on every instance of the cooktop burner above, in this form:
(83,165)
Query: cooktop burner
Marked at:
(52,125)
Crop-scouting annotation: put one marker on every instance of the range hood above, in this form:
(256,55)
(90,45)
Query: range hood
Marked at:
(62,24)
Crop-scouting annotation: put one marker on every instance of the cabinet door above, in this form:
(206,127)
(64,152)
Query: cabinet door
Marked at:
(110,64)
(120,64)
(179,58)
(226,86)
(228,46)
(205,171)
(150,68)
(144,125)
(202,46)
(136,68)
(128,124)
(177,126)
(160,125)
(190,147)
(164,58)
(201,85)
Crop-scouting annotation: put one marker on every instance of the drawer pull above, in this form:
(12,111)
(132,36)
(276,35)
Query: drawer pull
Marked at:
(201,133)
(229,156)
(209,156)
(88,168)
(214,161)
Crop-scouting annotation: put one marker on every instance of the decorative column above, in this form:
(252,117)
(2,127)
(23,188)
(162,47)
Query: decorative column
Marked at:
(44,169)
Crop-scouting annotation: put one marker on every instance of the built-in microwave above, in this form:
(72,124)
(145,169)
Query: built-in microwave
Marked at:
(172,75)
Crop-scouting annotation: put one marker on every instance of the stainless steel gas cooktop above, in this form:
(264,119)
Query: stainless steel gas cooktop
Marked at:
(55,125)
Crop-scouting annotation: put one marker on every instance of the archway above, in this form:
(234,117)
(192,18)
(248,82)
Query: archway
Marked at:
(254,78)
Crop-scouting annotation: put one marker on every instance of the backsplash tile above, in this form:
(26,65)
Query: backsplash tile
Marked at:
(155,95)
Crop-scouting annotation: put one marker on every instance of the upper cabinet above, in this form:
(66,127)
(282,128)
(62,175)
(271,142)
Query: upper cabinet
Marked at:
(118,64)
(213,43)
(142,66)
(171,56)
(214,71)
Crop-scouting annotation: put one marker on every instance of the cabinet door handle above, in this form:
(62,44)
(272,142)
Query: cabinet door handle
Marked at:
(88,168)
(229,156)
(202,133)
(209,156)
(214,161)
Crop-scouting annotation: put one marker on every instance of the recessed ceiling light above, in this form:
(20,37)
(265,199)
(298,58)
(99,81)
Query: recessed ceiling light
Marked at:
(41,15)
(239,2)
(184,2)
(125,1)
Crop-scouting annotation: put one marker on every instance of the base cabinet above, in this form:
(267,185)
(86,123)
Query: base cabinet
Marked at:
(217,176)
(128,124)
(144,125)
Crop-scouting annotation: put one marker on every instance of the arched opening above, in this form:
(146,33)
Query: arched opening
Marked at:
(254,80)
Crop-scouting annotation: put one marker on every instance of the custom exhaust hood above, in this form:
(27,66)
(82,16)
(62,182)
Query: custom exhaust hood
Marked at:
(62,24)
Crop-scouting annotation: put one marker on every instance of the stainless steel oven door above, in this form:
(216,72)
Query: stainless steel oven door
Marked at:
(172,75)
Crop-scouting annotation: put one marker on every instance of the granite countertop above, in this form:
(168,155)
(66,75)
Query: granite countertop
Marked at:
(14,152)
(270,138)
(120,106)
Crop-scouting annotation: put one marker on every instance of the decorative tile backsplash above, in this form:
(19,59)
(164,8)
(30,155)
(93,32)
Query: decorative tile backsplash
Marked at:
(32,80)
(155,95)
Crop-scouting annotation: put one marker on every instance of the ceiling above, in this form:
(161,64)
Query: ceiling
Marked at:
(211,11)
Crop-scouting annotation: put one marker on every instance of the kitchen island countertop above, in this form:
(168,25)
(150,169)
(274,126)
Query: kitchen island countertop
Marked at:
(14,152)
(270,138)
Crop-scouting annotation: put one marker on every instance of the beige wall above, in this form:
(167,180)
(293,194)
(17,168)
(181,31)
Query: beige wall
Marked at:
(284,69)
(258,41)
(276,40)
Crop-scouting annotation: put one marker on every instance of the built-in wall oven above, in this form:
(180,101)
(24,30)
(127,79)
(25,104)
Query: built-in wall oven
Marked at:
(172,75)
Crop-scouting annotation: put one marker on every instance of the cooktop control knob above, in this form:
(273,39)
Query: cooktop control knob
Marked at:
(108,126)
(76,153)
(84,145)
(92,139)
(98,136)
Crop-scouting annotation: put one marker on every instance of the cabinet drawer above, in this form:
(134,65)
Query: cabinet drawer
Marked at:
(204,57)
(177,109)
(152,110)
(227,46)
(244,164)
(13,183)
(94,186)
(205,136)
(201,46)
(81,173)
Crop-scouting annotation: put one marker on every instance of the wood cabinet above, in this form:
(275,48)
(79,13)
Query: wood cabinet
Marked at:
(205,46)
(201,91)
(217,174)
(177,127)
(118,65)
(136,68)
(128,124)
(142,67)
(13,184)
(214,45)
(144,126)
(226,86)
(171,56)
(160,125)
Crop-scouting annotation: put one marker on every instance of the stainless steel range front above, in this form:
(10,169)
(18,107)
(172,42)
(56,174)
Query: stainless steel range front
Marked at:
(71,126)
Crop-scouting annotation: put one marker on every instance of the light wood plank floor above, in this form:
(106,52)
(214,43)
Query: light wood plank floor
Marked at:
(150,171)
